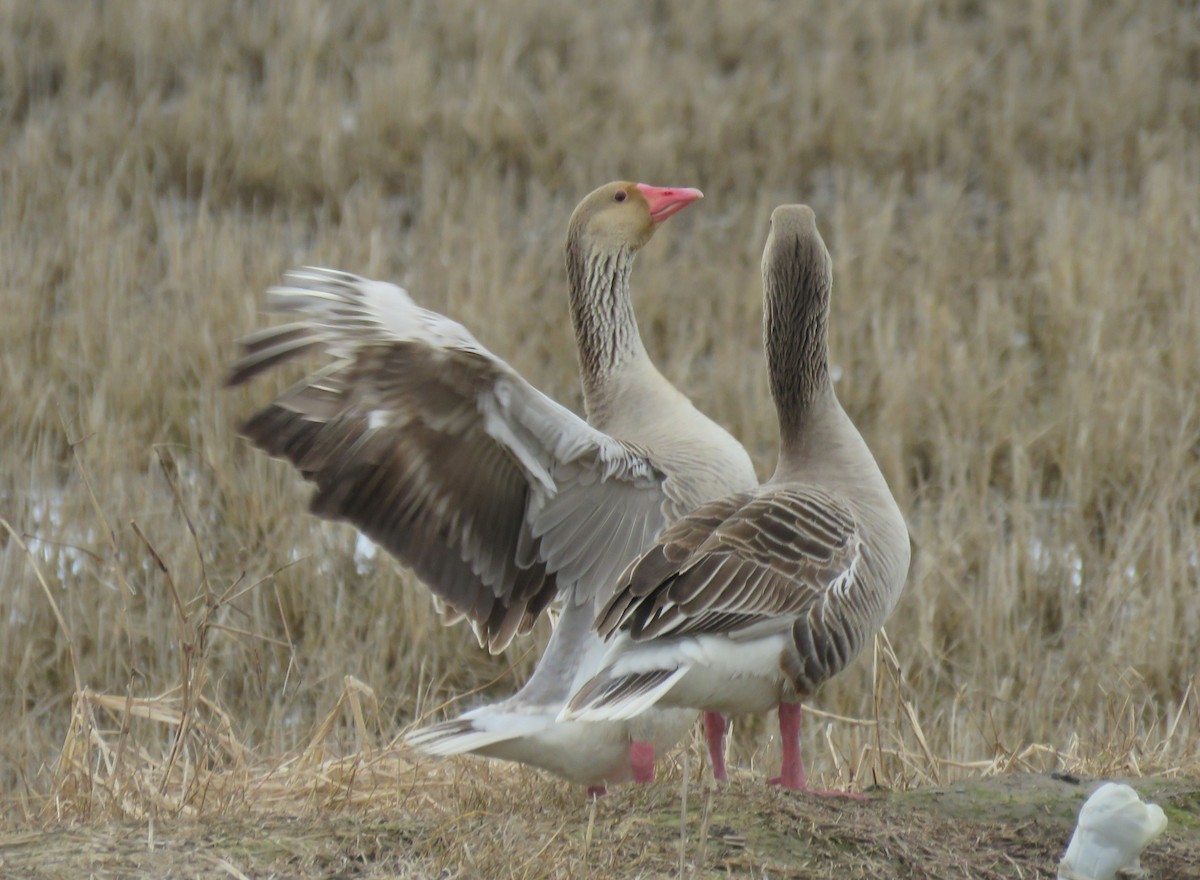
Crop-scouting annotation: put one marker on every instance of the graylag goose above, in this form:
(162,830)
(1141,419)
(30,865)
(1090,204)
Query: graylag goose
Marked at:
(753,600)
(499,499)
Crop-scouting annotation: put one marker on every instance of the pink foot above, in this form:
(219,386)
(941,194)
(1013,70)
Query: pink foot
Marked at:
(596,791)
(793,775)
(714,734)
(641,759)
(845,795)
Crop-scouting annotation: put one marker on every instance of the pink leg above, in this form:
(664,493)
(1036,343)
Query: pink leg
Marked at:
(641,759)
(792,773)
(714,734)
(596,791)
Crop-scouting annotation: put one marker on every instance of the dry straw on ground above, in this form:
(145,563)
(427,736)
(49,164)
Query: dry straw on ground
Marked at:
(1012,198)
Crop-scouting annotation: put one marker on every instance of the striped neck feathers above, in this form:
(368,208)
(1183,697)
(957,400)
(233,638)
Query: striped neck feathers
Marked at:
(606,330)
(796,335)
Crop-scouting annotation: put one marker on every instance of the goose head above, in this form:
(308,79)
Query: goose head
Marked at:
(795,258)
(622,216)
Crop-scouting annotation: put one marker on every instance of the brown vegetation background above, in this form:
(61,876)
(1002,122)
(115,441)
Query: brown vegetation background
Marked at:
(1011,194)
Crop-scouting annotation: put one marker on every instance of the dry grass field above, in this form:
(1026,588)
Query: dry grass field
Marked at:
(1011,194)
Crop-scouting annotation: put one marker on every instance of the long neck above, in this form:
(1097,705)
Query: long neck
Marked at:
(796,337)
(606,330)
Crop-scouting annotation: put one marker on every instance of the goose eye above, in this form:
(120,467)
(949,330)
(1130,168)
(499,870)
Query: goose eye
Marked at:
(620,196)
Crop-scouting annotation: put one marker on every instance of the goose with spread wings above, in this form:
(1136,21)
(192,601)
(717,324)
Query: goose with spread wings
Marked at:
(753,600)
(499,499)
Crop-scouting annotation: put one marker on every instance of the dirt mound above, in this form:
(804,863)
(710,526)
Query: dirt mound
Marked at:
(1008,826)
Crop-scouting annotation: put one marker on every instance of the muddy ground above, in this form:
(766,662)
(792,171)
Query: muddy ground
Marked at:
(1013,826)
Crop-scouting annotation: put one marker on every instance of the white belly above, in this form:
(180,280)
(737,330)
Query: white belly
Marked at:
(724,675)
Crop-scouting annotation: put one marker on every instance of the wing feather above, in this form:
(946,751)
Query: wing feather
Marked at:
(731,566)
(496,496)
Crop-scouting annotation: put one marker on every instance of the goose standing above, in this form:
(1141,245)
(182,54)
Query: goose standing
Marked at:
(499,499)
(753,600)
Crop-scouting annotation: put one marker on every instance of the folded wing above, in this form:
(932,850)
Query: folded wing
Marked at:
(736,563)
(778,561)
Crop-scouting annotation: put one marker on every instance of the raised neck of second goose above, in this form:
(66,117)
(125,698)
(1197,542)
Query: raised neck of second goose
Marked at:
(606,330)
(796,337)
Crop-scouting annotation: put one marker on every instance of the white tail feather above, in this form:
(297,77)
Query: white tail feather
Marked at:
(460,736)
(606,707)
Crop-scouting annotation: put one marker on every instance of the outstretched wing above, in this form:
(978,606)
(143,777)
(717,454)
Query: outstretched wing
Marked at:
(496,496)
